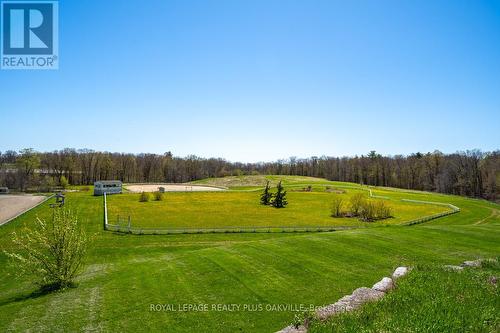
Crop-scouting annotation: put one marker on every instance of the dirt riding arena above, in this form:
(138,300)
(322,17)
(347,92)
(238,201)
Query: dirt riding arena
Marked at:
(137,188)
(13,205)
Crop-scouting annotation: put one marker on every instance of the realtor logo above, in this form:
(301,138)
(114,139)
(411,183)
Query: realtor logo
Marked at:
(29,35)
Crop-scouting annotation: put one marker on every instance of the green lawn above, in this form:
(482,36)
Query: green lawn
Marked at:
(242,209)
(125,274)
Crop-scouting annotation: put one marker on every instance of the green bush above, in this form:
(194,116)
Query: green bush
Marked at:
(145,197)
(158,196)
(382,210)
(337,206)
(367,211)
(303,318)
(63,182)
(374,210)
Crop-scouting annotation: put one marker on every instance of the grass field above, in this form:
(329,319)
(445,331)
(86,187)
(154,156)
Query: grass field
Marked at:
(125,274)
(242,209)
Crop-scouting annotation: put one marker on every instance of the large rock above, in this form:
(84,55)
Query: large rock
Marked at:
(293,329)
(350,302)
(384,285)
(363,295)
(342,305)
(399,272)
(453,268)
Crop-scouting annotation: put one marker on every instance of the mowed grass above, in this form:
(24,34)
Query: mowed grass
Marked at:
(125,274)
(242,209)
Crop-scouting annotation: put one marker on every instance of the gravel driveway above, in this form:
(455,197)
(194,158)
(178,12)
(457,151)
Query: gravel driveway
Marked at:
(13,205)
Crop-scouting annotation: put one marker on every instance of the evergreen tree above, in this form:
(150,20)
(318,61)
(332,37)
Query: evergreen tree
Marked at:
(266,196)
(279,200)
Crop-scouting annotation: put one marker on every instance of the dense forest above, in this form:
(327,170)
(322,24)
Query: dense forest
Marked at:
(471,173)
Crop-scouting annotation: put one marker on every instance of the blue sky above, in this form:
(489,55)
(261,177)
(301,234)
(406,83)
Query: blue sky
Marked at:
(261,80)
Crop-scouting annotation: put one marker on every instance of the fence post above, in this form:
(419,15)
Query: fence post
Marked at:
(129,223)
(105,213)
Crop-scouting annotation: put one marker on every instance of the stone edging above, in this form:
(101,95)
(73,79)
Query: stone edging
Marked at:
(468,263)
(363,295)
(352,302)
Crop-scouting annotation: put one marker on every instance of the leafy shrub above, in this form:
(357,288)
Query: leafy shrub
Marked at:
(145,197)
(337,206)
(382,210)
(52,252)
(63,182)
(374,210)
(303,318)
(46,184)
(367,211)
(357,201)
(158,196)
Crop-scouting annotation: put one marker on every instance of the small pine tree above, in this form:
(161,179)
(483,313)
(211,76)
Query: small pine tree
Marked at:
(266,196)
(279,200)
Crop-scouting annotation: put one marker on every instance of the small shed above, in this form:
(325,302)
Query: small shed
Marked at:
(107,186)
(4,190)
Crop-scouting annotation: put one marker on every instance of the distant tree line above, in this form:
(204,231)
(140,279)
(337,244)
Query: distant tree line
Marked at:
(471,173)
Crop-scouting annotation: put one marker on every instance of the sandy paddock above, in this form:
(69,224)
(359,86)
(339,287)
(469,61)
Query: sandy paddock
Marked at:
(13,205)
(137,188)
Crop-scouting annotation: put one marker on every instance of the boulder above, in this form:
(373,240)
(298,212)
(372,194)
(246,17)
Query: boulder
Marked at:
(384,285)
(350,302)
(362,295)
(472,263)
(453,268)
(342,305)
(399,272)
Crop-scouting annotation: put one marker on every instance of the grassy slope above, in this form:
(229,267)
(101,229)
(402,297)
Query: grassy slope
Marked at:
(126,273)
(249,181)
(430,299)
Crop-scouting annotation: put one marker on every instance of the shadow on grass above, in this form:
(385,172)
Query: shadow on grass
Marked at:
(42,291)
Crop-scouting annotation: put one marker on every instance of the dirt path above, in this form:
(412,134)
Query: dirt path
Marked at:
(171,188)
(494,213)
(13,205)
